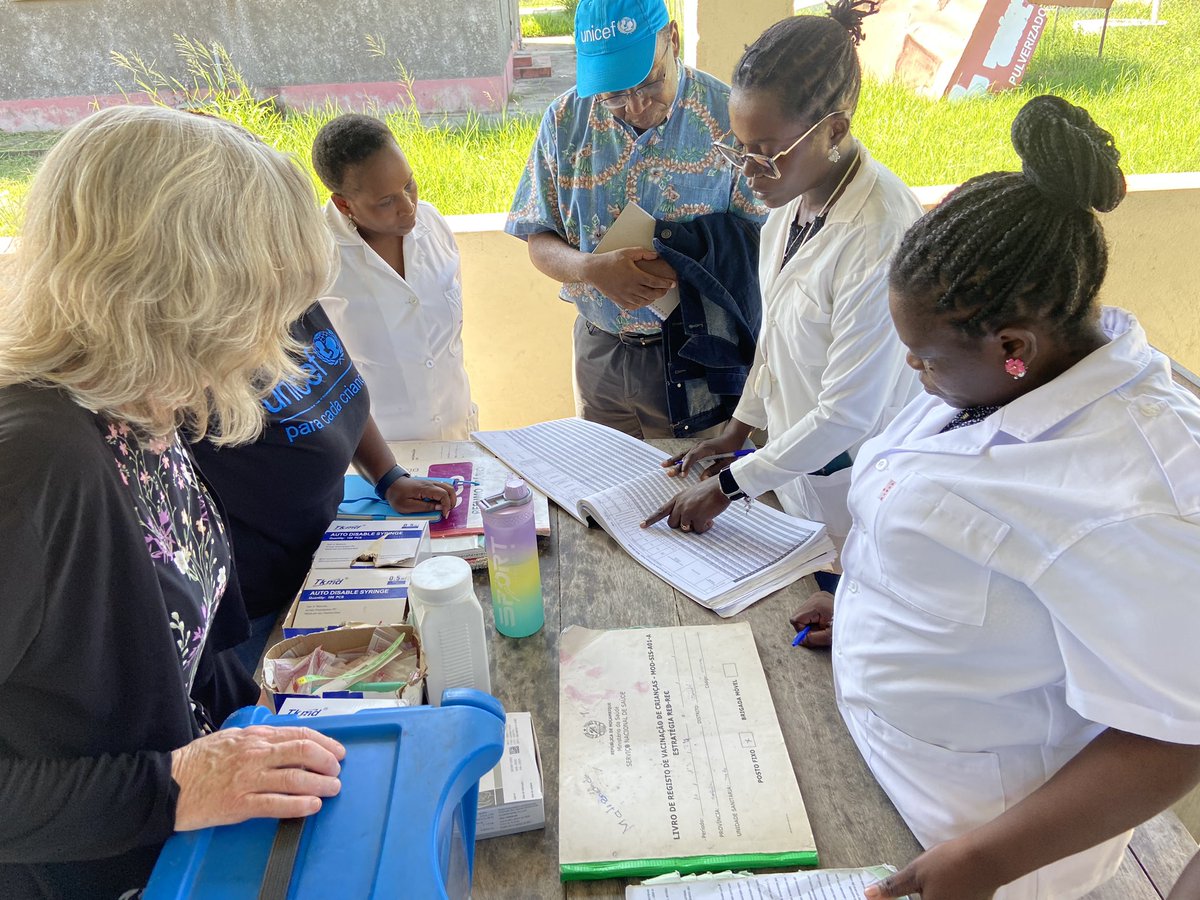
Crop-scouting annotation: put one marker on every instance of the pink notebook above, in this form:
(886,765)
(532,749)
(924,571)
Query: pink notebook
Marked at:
(456,523)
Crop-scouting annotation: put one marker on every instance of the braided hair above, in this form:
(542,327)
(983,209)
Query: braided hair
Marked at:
(1011,245)
(345,142)
(809,62)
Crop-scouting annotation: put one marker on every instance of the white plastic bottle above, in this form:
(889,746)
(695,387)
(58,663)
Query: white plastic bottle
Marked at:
(449,622)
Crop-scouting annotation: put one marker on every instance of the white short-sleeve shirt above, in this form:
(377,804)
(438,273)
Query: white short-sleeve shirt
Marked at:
(405,333)
(1015,586)
(829,369)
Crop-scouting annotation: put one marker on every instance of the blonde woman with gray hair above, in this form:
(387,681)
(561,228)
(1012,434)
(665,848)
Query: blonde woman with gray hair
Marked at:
(163,258)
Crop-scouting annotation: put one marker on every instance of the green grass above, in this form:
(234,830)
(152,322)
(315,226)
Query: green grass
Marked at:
(1144,91)
(15,175)
(463,165)
(547,24)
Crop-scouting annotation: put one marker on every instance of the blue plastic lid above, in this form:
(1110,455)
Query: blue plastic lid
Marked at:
(410,784)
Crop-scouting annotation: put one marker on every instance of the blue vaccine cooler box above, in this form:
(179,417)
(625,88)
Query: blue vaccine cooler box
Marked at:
(402,826)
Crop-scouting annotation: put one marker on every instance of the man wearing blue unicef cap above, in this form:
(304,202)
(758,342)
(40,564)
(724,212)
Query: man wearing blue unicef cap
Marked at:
(616,53)
(638,127)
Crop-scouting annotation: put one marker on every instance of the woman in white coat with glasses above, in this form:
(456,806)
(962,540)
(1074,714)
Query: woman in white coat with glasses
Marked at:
(829,371)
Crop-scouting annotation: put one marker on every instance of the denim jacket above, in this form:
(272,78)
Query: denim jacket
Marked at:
(709,340)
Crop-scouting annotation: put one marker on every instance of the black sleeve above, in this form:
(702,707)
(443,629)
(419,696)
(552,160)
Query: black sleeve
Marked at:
(67,794)
(58,810)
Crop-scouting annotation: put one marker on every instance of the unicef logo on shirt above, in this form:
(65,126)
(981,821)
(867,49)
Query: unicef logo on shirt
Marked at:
(627,25)
(328,348)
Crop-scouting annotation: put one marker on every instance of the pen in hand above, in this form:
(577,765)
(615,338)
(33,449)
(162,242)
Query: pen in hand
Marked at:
(737,454)
(801,635)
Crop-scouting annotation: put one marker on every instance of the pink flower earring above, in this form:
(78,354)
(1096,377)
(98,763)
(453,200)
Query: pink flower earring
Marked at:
(1015,367)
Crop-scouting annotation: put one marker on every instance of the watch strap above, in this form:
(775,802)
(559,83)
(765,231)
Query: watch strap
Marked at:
(729,486)
(390,477)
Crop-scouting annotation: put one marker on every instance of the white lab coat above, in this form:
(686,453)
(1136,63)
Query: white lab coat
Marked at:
(1015,586)
(829,370)
(405,334)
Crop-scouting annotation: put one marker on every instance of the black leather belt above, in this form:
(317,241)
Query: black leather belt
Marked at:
(629,338)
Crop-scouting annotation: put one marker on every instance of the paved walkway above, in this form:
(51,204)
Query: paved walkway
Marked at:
(532,96)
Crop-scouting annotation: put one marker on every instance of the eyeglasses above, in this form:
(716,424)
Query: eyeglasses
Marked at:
(647,91)
(743,161)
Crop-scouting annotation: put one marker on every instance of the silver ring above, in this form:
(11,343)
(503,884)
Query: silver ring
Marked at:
(685,527)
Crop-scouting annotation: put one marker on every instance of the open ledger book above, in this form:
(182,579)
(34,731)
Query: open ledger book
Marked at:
(594,471)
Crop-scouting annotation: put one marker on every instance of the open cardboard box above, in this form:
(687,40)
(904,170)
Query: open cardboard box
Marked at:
(337,641)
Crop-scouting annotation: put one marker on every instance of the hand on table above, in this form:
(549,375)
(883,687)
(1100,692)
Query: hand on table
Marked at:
(681,463)
(946,872)
(419,495)
(692,509)
(631,278)
(816,611)
(243,773)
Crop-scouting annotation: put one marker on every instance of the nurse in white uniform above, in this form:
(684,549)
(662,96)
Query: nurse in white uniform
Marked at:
(829,370)
(397,302)
(1014,649)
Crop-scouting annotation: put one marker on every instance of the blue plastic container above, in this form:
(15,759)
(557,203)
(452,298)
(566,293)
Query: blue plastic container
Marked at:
(402,826)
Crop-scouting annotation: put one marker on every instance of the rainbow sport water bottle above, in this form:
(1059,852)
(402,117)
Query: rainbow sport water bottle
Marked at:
(510,539)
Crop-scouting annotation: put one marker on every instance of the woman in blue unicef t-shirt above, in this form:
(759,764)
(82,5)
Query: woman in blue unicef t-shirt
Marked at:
(281,492)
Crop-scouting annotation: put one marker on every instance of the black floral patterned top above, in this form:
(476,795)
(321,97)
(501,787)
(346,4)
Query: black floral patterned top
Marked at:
(113,562)
(184,537)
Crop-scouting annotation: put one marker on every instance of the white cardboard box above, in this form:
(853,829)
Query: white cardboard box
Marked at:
(510,796)
(370,544)
(331,598)
(313,707)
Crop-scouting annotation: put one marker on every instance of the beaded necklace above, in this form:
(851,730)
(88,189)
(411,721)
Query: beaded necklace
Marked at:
(969,416)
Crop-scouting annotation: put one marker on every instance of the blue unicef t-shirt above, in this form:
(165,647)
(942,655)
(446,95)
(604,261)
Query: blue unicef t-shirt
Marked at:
(280,492)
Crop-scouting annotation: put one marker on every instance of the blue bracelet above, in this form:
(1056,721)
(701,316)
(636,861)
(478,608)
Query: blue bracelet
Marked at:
(390,477)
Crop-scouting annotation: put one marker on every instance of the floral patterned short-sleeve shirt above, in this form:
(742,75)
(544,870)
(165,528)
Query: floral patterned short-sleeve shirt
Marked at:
(587,164)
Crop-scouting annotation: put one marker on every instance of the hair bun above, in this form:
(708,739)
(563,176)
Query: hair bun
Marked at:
(850,13)
(1067,156)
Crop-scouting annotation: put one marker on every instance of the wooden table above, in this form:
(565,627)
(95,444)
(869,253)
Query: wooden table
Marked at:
(588,580)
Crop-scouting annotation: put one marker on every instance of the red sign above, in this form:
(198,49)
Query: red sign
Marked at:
(950,48)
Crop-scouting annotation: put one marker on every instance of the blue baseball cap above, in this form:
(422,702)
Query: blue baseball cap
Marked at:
(614,43)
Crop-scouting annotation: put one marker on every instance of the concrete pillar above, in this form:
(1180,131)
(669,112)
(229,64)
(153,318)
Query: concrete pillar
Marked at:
(716,32)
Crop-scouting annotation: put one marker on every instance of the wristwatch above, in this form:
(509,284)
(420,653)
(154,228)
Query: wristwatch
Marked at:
(729,486)
(390,477)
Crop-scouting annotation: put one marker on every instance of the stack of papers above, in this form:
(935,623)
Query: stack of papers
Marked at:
(594,471)
(829,884)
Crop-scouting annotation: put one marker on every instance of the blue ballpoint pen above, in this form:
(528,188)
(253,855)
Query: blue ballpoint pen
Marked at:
(736,454)
(801,635)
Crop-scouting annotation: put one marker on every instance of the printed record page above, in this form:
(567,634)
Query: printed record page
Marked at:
(670,748)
